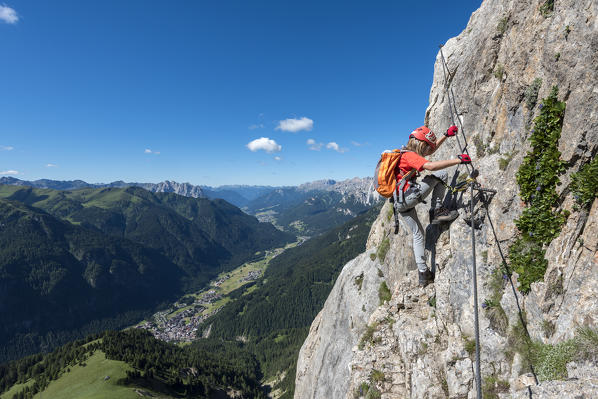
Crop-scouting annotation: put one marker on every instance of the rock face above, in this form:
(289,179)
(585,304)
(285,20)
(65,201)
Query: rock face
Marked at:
(419,344)
(184,189)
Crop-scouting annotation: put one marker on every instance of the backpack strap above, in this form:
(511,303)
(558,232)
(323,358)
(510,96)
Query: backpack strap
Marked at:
(401,183)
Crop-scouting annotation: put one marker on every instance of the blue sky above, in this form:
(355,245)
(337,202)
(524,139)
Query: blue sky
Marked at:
(146,91)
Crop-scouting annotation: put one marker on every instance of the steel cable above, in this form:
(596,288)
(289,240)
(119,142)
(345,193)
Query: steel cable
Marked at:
(454,112)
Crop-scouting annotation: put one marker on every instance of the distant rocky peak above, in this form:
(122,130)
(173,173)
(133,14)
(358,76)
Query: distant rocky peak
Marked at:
(185,189)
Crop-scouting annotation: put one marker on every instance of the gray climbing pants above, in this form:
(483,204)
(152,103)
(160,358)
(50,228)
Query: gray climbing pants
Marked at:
(413,196)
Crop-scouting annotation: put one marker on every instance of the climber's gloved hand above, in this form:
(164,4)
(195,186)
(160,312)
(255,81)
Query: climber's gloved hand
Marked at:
(464,158)
(451,131)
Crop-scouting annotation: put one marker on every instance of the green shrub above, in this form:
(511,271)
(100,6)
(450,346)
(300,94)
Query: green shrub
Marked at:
(584,184)
(390,214)
(527,258)
(432,301)
(377,376)
(444,386)
(373,256)
(384,293)
(480,147)
(485,256)
(390,321)
(492,386)
(519,342)
(499,71)
(501,28)
(469,345)
(537,178)
(373,393)
(494,150)
(494,311)
(383,249)
(422,349)
(587,344)
(531,93)
(368,336)
(362,390)
(550,361)
(504,162)
(547,8)
(359,281)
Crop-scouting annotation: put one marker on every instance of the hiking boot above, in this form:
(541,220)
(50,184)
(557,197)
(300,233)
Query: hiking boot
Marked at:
(441,215)
(425,278)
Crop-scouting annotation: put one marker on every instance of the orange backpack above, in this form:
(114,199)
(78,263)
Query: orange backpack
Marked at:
(385,178)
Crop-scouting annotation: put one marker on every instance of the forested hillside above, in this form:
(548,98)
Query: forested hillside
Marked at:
(273,316)
(154,366)
(77,262)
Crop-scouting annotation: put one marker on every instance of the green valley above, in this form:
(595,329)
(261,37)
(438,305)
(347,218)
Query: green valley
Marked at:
(180,322)
(78,262)
(271,319)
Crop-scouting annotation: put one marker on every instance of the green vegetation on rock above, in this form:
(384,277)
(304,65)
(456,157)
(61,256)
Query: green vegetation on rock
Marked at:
(368,336)
(384,294)
(531,93)
(493,385)
(584,184)
(501,28)
(547,8)
(377,376)
(383,249)
(550,361)
(537,177)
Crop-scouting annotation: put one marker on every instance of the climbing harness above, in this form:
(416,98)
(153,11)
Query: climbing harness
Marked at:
(482,195)
(459,187)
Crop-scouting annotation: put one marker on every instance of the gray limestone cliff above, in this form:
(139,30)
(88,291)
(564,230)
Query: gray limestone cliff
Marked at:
(419,343)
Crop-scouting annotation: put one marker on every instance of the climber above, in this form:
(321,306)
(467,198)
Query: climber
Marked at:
(422,142)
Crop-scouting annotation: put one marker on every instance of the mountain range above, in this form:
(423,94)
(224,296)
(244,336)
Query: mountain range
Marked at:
(308,209)
(94,255)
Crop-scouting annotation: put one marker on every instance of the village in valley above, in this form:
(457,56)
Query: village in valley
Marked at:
(181,322)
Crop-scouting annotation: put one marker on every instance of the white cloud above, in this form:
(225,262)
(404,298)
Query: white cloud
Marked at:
(264,143)
(313,145)
(277,158)
(51,165)
(10,172)
(256,126)
(333,146)
(356,144)
(295,125)
(148,151)
(6,148)
(8,15)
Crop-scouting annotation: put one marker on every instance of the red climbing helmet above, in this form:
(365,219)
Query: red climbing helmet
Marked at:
(424,134)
